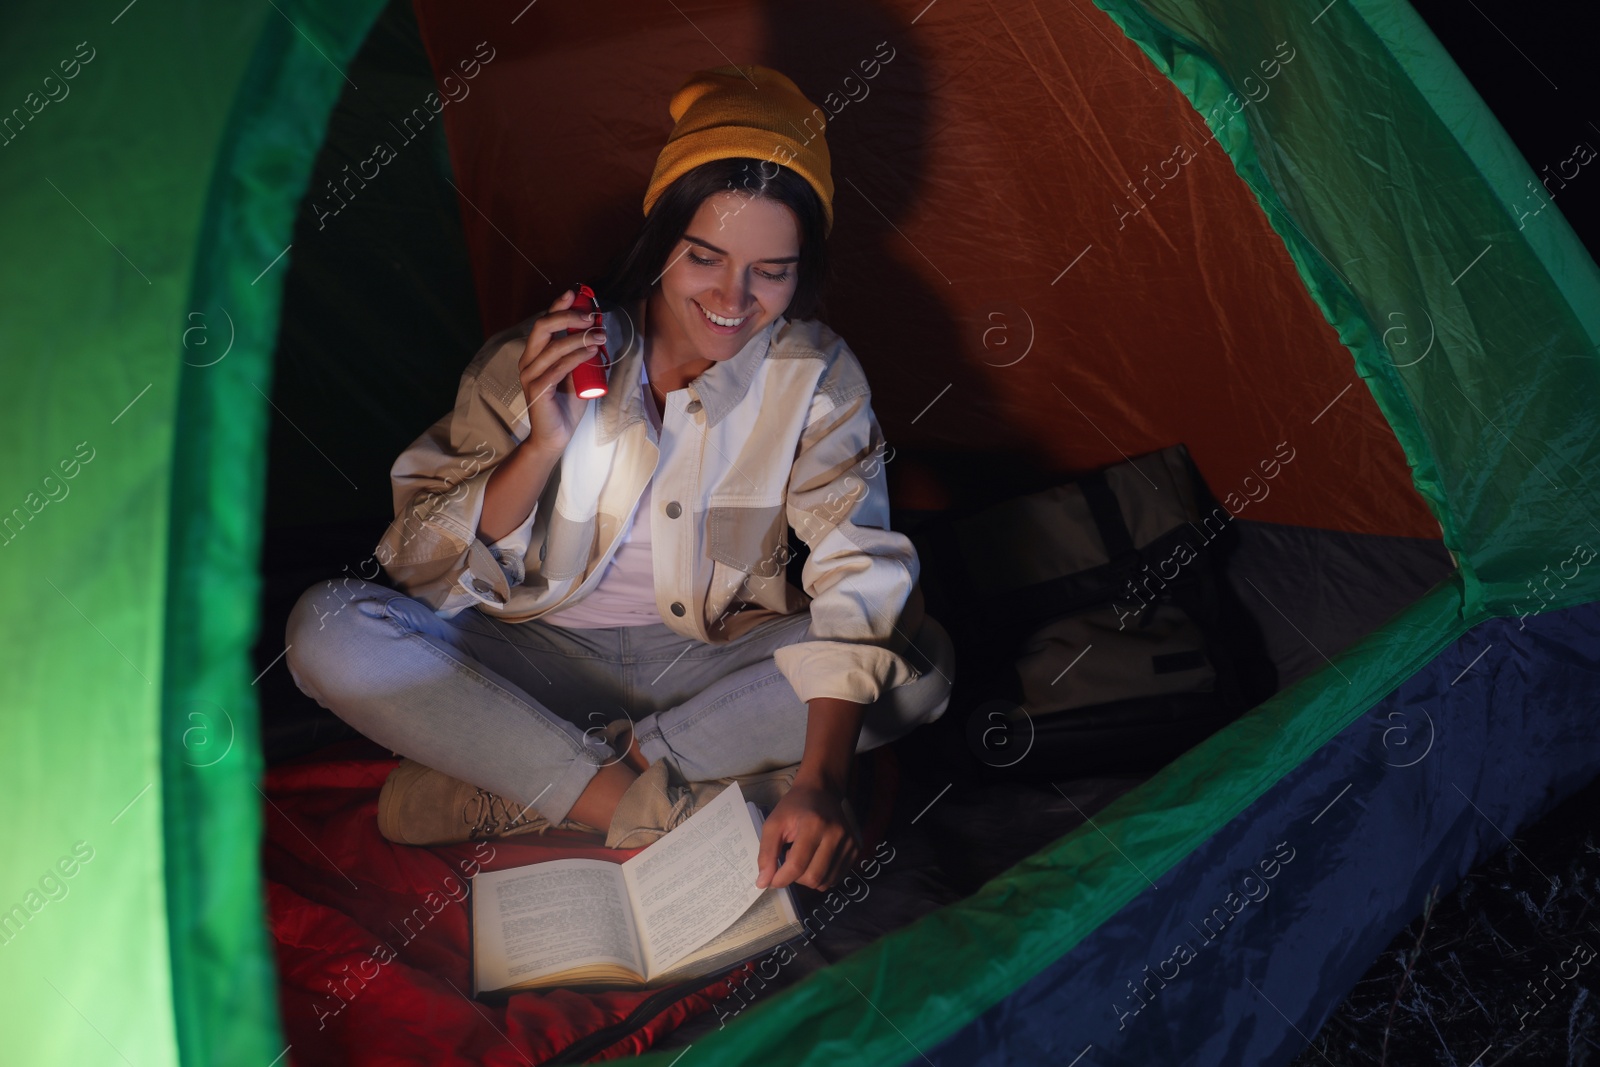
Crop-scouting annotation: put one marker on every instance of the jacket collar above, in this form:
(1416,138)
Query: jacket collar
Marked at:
(720,388)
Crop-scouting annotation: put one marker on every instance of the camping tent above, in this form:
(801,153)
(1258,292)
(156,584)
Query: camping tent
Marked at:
(1233,223)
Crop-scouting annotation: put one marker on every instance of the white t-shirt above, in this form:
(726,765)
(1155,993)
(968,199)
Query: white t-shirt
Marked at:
(626,595)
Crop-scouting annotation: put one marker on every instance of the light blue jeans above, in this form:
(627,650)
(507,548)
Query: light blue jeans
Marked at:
(519,708)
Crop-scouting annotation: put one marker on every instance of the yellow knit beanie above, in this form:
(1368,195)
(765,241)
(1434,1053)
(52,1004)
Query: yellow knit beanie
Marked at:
(752,111)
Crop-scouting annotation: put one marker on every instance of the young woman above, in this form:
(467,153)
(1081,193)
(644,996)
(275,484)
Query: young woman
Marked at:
(591,625)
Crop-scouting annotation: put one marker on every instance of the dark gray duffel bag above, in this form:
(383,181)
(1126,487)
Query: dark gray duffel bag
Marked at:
(1091,623)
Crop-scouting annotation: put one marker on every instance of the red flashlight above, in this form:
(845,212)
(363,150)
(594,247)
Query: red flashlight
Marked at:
(589,377)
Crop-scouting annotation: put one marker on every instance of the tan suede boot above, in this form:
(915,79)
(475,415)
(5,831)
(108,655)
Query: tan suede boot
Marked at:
(658,801)
(421,806)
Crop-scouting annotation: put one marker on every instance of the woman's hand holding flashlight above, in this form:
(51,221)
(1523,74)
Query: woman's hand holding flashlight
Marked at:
(547,362)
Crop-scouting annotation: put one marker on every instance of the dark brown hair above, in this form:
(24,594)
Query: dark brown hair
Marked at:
(633,273)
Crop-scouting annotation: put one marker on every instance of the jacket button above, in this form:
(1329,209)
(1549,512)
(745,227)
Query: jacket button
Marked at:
(487,590)
(673,510)
(677,609)
(692,406)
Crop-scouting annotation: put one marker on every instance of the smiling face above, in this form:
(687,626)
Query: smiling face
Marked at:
(737,261)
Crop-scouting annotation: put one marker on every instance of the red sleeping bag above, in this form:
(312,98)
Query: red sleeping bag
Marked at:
(371,938)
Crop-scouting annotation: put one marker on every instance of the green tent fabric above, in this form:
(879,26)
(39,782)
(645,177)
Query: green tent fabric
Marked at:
(149,210)
(140,209)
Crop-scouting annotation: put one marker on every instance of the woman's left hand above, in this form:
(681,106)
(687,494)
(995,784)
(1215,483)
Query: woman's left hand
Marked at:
(821,837)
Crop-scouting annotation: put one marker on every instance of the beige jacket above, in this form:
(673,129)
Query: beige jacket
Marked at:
(780,436)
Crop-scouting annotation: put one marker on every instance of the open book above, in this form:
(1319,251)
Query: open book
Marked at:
(685,907)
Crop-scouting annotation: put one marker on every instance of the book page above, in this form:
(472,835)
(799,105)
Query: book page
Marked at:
(532,921)
(695,882)
(770,919)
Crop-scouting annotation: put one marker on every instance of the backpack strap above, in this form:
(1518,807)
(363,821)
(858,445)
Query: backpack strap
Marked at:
(1107,515)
